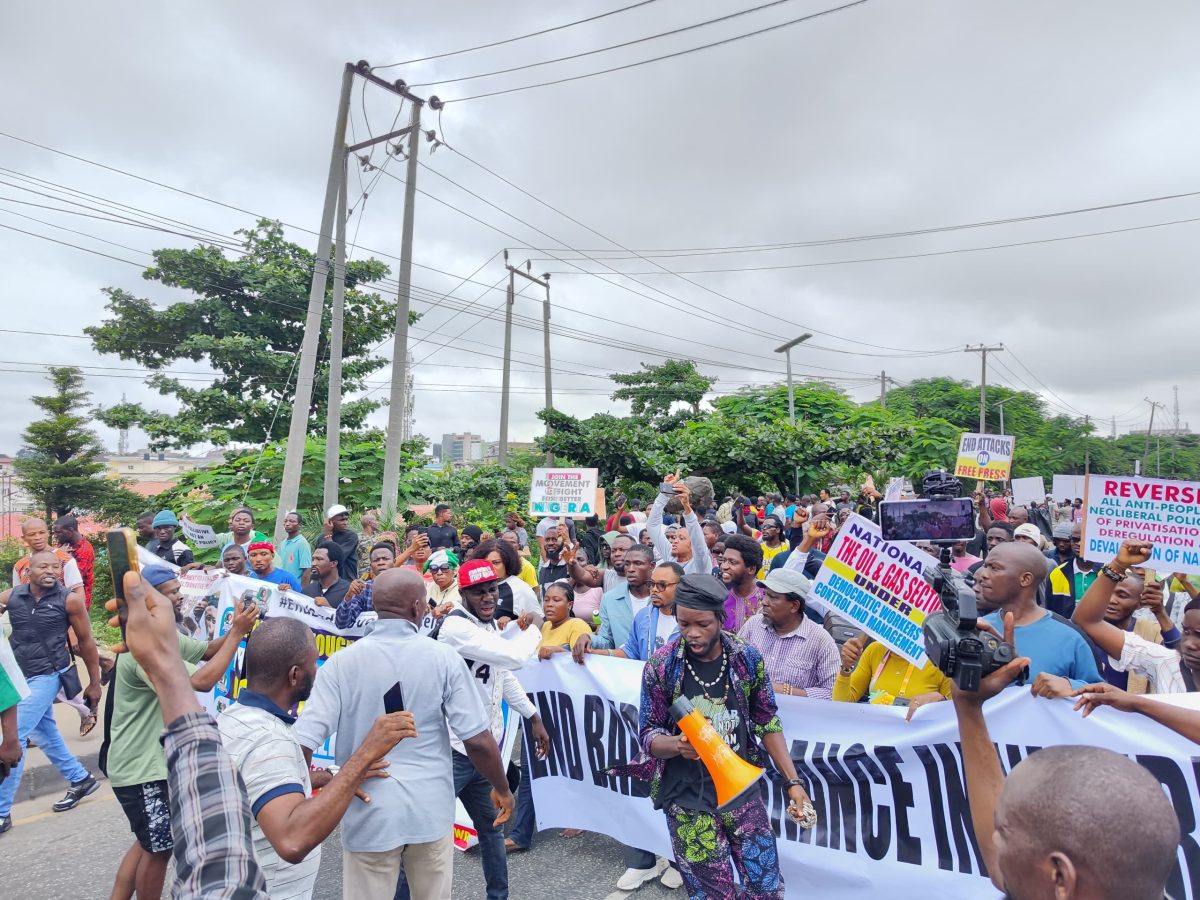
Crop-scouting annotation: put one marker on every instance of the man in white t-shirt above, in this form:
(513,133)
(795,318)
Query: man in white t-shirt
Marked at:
(289,822)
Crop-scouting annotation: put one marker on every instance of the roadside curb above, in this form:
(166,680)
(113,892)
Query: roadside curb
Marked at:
(37,781)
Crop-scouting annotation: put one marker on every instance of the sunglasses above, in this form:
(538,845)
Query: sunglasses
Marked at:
(441,568)
(662,585)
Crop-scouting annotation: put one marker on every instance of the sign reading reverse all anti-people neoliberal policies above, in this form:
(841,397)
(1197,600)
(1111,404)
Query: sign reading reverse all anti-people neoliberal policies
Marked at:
(984,457)
(1165,513)
(879,585)
(563,492)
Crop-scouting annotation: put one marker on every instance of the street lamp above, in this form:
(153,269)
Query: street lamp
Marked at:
(786,350)
(1001,405)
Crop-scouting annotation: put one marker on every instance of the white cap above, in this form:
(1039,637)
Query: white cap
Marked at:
(336,510)
(1029,530)
(786,581)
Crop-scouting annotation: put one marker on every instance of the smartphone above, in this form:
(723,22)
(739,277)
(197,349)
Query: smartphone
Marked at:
(122,558)
(393,700)
(927,520)
(664,488)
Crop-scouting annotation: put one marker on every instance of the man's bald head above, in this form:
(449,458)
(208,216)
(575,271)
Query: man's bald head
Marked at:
(1056,816)
(1018,515)
(399,594)
(33,525)
(273,648)
(1010,575)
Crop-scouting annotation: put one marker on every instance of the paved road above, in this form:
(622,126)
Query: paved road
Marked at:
(75,855)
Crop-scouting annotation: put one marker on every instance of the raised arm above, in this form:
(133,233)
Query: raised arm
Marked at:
(210,673)
(1089,613)
(654,525)
(1179,719)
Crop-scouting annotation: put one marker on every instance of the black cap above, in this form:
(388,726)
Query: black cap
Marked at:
(702,592)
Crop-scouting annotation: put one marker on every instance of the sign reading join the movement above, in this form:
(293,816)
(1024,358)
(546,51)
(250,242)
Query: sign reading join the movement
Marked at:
(984,457)
(893,818)
(1165,513)
(879,586)
(563,492)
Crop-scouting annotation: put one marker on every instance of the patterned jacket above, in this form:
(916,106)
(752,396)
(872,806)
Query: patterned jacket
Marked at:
(662,684)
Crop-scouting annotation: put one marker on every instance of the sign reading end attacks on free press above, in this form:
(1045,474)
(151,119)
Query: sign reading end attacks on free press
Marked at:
(878,585)
(984,457)
(1165,513)
(563,492)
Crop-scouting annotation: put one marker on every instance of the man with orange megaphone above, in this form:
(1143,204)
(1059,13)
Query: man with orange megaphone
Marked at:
(708,711)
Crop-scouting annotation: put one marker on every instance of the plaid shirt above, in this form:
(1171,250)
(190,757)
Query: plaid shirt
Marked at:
(806,658)
(210,816)
(662,685)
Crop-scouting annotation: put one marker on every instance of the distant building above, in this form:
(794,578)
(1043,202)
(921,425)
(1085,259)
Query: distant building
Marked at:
(461,449)
(150,472)
(492,454)
(13,498)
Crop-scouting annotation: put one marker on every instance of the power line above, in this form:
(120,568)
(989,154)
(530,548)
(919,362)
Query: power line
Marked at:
(641,40)
(678,53)
(511,40)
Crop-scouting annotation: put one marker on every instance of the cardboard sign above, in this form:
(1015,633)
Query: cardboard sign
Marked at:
(563,492)
(201,536)
(879,586)
(984,457)
(1029,490)
(1165,513)
(1067,487)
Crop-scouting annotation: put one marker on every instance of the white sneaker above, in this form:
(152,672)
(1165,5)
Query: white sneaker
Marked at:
(671,879)
(635,878)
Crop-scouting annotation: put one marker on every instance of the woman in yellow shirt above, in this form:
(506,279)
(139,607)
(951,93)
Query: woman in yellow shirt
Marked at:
(561,629)
(886,677)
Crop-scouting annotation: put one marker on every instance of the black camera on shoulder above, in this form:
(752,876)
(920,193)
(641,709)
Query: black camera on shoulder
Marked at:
(953,639)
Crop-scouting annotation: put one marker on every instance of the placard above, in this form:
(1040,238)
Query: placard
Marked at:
(201,536)
(984,457)
(1165,513)
(1029,490)
(1067,487)
(563,492)
(878,585)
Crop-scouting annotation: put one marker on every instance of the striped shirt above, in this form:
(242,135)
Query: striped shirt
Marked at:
(258,735)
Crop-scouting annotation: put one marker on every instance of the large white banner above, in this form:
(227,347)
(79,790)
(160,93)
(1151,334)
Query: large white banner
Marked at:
(890,795)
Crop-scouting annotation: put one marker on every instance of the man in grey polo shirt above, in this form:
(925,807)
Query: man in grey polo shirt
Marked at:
(409,819)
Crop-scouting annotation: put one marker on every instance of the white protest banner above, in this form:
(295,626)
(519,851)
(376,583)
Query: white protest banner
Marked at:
(198,535)
(984,457)
(894,489)
(1166,513)
(147,559)
(878,585)
(563,492)
(1067,487)
(893,819)
(1029,490)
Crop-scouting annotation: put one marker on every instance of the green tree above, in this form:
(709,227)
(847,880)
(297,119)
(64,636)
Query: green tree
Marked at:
(60,464)
(653,391)
(245,319)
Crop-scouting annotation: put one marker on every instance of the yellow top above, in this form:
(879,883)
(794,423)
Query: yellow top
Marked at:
(564,635)
(925,680)
(528,573)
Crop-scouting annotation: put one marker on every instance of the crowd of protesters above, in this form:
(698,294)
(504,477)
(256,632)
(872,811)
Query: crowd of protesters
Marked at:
(713,600)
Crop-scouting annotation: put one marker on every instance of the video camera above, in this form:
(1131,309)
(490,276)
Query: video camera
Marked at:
(953,639)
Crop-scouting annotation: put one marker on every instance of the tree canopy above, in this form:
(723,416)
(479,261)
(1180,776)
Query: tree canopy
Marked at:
(245,319)
(655,390)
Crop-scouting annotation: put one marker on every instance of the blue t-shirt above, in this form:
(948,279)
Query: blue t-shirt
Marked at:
(278,576)
(1053,648)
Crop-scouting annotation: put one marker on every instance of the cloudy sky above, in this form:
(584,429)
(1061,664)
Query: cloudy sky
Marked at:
(881,118)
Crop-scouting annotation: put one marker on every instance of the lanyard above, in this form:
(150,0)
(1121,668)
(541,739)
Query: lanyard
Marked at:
(879,671)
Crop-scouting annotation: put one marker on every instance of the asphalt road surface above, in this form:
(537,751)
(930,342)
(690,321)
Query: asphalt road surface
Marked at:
(49,856)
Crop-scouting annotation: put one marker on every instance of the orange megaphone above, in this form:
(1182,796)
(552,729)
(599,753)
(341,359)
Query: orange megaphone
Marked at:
(732,776)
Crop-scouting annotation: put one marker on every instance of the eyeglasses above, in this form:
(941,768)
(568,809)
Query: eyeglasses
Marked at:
(441,568)
(662,585)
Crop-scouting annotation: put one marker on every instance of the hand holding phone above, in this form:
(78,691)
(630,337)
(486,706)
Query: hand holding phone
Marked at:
(122,558)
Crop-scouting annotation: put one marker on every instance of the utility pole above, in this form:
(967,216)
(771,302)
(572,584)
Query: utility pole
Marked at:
(506,377)
(1001,406)
(333,409)
(1149,430)
(1087,447)
(293,464)
(1113,434)
(983,352)
(786,350)
(883,390)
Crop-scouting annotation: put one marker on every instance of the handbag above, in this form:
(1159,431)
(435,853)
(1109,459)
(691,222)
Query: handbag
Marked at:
(68,678)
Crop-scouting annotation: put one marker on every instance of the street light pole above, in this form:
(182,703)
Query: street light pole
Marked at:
(786,350)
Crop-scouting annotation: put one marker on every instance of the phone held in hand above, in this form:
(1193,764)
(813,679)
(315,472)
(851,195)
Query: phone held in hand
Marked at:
(122,558)
(393,700)
(665,488)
